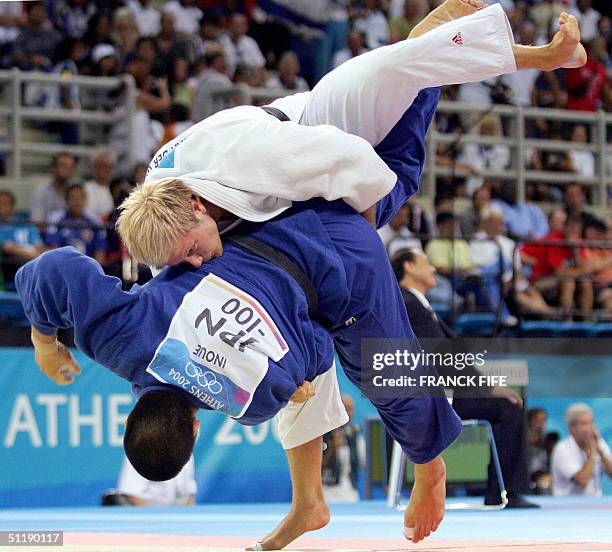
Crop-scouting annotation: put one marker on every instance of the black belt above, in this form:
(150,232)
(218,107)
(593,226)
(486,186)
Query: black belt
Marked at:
(280,115)
(278,258)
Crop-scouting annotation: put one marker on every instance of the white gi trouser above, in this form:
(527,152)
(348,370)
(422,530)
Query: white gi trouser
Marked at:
(368,94)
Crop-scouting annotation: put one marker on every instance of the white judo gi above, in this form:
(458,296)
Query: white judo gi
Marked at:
(253,165)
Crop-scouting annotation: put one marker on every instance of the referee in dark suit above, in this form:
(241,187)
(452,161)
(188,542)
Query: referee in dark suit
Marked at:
(498,405)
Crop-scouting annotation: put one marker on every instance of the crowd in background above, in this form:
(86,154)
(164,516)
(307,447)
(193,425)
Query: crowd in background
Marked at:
(178,51)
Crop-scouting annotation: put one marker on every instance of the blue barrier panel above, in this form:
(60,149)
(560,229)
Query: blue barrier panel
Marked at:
(62,445)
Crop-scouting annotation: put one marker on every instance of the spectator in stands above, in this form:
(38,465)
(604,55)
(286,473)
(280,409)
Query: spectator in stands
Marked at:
(470,219)
(71,17)
(178,85)
(588,19)
(210,33)
(483,157)
(145,55)
(213,78)
(574,204)
(177,121)
(135,490)
(34,47)
(170,45)
(11,21)
(451,257)
(414,12)
(583,162)
(288,77)
(73,227)
(336,30)
(588,87)
(554,270)
(453,260)
(499,405)
(239,47)
(125,33)
(596,264)
(395,235)
(420,221)
(19,241)
(488,245)
(342,459)
(521,83)
(355,46)
(186,15)
(539,449)
(105,60)
(147,17)
(49,198)
(99,199)
(523,220)
(580,460)
(371,21)
(99,30)
(557,161)
(545,15)
(246,74)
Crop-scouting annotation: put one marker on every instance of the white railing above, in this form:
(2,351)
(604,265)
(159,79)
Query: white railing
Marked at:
(516,118)
(15,113)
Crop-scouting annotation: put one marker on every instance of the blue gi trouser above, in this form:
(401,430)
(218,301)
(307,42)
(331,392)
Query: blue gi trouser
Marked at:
(424,426)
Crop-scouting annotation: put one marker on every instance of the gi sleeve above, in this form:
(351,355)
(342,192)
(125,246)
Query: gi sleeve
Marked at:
(66,289)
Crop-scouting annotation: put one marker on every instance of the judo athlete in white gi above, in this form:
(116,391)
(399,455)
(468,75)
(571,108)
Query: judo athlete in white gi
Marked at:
(245,163)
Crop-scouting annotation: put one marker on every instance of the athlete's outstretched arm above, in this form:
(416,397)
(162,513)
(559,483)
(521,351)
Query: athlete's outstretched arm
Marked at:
(66,289)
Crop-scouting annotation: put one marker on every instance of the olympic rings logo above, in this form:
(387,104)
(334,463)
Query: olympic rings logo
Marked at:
(207,379)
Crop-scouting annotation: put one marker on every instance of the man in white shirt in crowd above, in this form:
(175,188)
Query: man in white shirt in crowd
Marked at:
(186,15)
(396,235)
(288,76)
(50,198)
(355,46)
(579,461)
(134,489)
(588,18)
(212,79)
(521,83)
(147,17)
(99,199)
(583,161)
(239,47)
(373,24)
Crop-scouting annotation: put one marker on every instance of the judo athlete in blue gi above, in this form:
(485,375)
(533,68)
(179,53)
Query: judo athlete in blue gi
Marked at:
(235,335)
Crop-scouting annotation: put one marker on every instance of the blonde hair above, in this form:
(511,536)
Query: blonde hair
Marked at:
(154,217)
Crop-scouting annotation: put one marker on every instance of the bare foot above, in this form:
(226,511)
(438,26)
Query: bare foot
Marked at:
(448,11)
(565,45)
(425,511)
(297,522)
